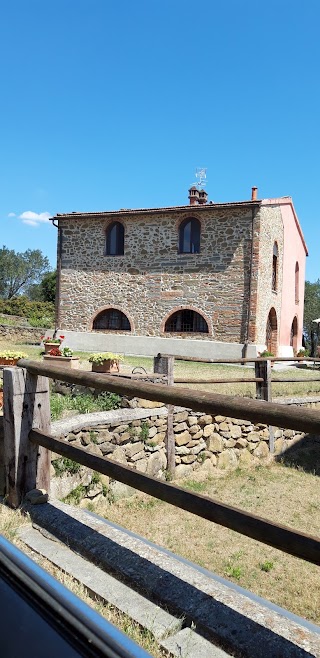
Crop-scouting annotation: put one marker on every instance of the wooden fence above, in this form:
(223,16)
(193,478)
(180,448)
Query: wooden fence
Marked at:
(27,445)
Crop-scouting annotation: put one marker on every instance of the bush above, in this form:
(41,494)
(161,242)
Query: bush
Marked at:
(83,404)
(36,312)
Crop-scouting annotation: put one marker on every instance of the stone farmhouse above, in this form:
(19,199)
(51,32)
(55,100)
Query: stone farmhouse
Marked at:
(229,277)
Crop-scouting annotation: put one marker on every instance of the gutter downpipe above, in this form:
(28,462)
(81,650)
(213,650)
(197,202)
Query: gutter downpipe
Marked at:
(58,286)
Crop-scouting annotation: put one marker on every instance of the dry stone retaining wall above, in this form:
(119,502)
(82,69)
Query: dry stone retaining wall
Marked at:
(21,334)
(206,443)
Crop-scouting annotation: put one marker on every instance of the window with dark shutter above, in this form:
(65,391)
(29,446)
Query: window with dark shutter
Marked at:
(115,240)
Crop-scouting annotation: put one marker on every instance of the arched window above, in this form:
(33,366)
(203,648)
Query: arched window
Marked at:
(189,236)
(115,240)
(275,268)
(294,334)
(112,320)
(296,284)
(272,332)
(186,321)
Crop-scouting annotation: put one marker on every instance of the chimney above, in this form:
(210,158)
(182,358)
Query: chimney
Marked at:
(193,196)
(254,194)
(203,197)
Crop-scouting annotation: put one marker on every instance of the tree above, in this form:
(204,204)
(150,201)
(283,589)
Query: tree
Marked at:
(20,270)
(45,291)
(311,306)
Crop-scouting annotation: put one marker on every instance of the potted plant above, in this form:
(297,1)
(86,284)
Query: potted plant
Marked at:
(63,357)
(105,362)
(265,355)
(10,358)
(50,343)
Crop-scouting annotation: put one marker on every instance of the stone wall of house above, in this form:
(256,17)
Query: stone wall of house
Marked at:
(151,281)
(271,231)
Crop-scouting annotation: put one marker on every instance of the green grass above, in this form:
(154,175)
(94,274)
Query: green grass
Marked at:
(83,404)
(202,370)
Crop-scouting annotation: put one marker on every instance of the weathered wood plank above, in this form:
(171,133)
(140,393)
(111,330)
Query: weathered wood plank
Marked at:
(26,405)
(257,411)
(288,540)
(207,380)
(263,389)
(197,359)
(165,366)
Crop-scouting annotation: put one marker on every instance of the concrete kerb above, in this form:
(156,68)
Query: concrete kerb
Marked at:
(236,622)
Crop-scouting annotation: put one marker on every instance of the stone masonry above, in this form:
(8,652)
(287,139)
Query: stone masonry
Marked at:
(228,283)
(203,444)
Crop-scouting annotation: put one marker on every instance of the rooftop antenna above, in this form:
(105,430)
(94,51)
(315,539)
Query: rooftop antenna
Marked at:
(201,176)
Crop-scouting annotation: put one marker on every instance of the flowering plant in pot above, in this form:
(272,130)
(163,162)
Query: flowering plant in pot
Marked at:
(10,357)
(62,356)
(105,362)
(49,342)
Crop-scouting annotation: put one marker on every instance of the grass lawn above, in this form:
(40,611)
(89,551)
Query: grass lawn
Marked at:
(201,370)
(284,495)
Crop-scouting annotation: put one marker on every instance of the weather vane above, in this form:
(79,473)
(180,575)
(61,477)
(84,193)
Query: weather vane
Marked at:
(201,176)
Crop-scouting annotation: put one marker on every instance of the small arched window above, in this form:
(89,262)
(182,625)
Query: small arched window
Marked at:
(115,240)
(112,320)
(189,236)
(296,284)
(186,321)
(275,268)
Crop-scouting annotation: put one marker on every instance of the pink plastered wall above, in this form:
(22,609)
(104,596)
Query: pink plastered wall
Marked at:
(294,251)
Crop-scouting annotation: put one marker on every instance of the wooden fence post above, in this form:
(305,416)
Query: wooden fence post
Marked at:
(263,389)
(163,364)
(26,407)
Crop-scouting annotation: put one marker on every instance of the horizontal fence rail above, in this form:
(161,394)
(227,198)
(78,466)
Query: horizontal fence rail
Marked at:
(295,543)
(200,359)
(257,411)
(207,380)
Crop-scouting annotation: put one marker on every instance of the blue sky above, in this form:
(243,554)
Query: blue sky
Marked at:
(109,104)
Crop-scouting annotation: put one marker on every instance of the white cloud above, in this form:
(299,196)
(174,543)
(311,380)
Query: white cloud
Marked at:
(12,214)
(34,218)
(30,222)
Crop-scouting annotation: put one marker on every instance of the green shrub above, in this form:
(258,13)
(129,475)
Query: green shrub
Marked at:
(65,465)
(34,311)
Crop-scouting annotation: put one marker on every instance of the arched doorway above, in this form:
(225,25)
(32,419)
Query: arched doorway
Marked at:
(272,332)
(294,334)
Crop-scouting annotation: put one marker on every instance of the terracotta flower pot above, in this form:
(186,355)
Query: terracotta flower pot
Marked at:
(8,362)
(108,366)
(50,346)
(65,361)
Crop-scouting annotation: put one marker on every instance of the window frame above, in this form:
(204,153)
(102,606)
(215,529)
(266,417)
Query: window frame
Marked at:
(122,317)
(197,319)
(195,236)
(275,267)
(119,247)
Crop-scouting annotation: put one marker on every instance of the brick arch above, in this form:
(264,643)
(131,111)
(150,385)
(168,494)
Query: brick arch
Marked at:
(272,332)
(192,214)
(110,307)
(110,221)
(186,308)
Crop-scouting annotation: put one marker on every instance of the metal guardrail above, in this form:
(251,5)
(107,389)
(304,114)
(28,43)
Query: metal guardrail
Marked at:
(55,621)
